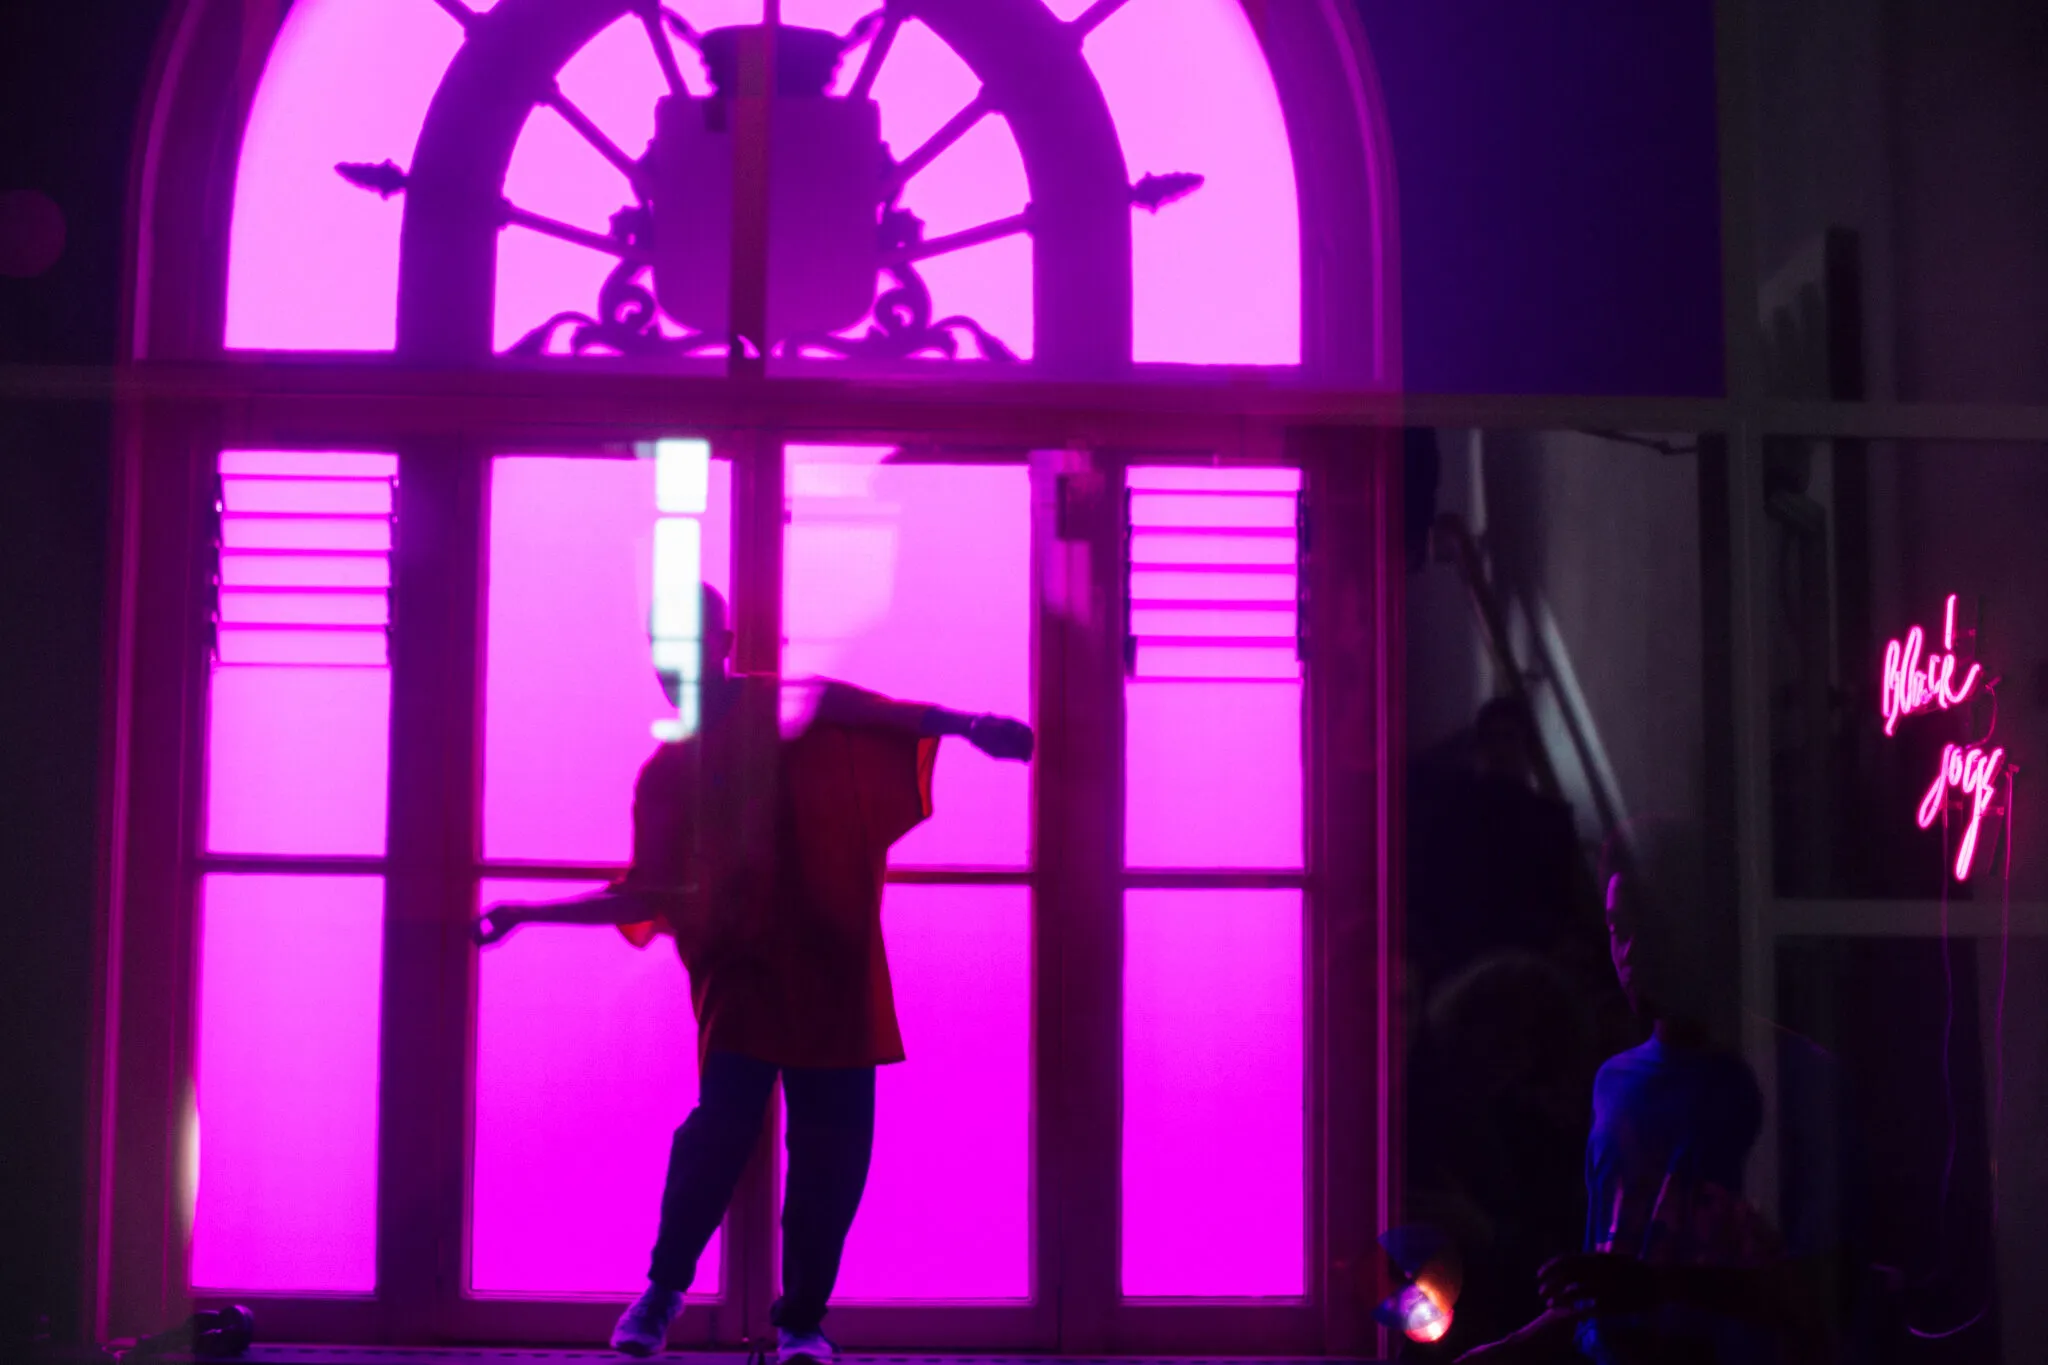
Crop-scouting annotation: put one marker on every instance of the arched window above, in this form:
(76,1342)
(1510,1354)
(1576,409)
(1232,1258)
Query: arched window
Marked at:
(1215,275)
(989,375)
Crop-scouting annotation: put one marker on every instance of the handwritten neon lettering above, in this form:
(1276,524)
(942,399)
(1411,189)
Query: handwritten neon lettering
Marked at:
(1911,686)
(1973,772)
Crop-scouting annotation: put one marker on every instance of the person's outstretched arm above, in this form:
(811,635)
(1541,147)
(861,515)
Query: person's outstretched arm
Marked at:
(613,905)
(996,736)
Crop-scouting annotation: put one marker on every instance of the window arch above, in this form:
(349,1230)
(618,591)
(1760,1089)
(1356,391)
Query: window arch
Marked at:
(1280,121)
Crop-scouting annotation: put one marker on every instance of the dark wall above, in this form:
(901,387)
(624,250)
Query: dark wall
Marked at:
(70,76)
(1559,193)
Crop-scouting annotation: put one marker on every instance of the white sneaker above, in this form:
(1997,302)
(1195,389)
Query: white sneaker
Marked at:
(811,1346)
(643,1328)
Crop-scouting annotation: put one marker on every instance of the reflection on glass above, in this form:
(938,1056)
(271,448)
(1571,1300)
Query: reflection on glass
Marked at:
(946,1214)
(571,696)
(914,580)
(290,970)
(586,1062)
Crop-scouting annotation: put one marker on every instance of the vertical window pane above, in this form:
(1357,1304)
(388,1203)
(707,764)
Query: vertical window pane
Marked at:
(571,693)
(586,1062)
(947,1209)
(1212,711)
(1213,1177)
(289,977)
(914,580)
(299,701)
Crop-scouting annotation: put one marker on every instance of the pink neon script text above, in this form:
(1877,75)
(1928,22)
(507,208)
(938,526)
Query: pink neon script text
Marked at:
(1911,686)
(1974,773)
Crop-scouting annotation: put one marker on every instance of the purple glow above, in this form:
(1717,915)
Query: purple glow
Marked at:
(947,1211)
(289,978)
(299,700)
(1213,1174)
(570,695)
(1216,276)
(586,1061)
(914,580)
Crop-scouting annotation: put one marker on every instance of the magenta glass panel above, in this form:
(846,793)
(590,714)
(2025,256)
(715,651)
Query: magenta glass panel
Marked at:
(312,260)
(1213,1173)
(1212,711)
(289,976)
(947,1211)
(586,1062)
(1216,277)
(299,698)
(570,691)
(915,580)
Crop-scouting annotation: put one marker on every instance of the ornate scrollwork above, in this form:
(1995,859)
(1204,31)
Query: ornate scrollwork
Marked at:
(903,325)
(627,321)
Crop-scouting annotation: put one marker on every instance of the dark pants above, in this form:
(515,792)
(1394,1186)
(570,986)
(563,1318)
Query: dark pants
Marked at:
(831,1135)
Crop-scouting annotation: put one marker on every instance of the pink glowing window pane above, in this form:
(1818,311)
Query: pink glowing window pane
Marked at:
(1216,276)
(299,698)
(1213,1094)
(947,1209)
(914,580)
(570,691)
(1212,714)
(586,1062)
(289,977)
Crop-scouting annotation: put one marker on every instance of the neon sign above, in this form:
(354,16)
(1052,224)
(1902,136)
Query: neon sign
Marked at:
(1912,686)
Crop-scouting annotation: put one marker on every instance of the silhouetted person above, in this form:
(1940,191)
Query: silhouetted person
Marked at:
(1498,1085)
(779,925)
(1494,863)
(1677,1266)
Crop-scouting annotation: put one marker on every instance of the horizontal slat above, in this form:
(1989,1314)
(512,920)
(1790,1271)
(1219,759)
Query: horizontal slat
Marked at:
(1211,661)
(1264,583)
(306,533)
(1204,623)
(1157,549)
(310,463)
(325,497)
(354,571)
(1234,513)
(342,645)
(1237,481)
(335,607)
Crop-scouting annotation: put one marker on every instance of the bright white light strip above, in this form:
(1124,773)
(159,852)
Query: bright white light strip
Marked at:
(682,490)
(682,477)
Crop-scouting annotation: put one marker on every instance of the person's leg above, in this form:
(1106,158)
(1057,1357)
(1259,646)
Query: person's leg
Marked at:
(831,1119)
(705,1162)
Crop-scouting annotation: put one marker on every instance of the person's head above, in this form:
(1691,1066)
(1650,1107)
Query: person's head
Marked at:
(1651,876)
(1504,740)
(717,634)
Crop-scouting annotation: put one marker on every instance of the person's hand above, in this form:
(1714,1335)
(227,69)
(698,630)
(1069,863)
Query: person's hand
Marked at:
(1537,1343)
(1001,737)
(496,922)
(1598,1282)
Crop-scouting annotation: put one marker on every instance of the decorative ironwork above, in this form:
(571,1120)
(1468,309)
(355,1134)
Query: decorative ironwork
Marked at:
(386,179)
(903,325)
(627,319)
(1154,192)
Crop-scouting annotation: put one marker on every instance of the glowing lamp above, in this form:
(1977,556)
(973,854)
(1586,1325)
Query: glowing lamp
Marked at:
(1421,1309)
(827,175)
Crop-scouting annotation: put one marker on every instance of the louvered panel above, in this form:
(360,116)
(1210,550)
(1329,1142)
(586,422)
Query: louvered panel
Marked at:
(304,565)
(1212,586)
